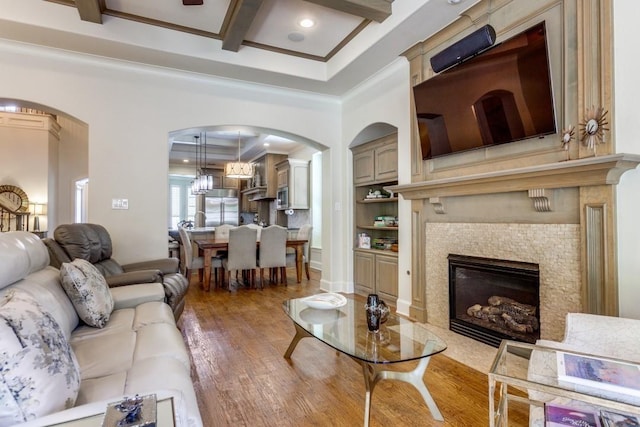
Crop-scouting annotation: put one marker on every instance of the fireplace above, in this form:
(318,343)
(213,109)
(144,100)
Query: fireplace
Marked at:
(493,299)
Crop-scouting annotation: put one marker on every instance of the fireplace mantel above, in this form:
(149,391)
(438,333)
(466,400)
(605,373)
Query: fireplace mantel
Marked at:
(591,171)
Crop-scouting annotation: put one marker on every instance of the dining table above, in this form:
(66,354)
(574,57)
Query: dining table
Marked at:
(209,247)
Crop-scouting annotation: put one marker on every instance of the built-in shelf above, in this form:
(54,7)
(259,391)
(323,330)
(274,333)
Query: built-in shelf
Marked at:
(373,227)
(380,200)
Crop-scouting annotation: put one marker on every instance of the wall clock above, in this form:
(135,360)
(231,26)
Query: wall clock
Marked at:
(13,203)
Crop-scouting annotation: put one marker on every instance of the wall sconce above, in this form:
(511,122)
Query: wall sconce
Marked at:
(37,209)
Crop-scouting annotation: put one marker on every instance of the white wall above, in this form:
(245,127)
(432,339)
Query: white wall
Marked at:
(627,140)
(130,110)
(383,99)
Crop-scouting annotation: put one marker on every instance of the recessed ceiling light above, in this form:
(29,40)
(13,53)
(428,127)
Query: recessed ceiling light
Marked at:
(185,160)
(453,1)
(296,37)
(266,144)
(307,23)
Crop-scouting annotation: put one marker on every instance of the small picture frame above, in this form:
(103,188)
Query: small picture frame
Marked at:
(364,241)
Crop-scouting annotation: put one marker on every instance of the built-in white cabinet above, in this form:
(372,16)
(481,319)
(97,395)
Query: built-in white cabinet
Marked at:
(293,184)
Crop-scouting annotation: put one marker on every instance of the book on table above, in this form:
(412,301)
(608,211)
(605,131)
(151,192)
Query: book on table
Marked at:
(561,416)
(616,419)
(605,374)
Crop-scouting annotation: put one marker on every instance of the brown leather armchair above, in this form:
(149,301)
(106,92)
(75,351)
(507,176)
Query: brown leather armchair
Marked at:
(92,242)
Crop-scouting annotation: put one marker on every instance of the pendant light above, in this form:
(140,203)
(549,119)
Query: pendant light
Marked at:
(241,170)
(206,179)
(195,184)
(202,182)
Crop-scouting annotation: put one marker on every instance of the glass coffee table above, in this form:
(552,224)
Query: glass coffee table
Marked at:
(345,329)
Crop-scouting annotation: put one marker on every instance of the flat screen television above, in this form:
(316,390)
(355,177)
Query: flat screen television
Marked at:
(502,95)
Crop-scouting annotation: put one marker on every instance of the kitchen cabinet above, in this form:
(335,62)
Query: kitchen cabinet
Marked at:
(376,161)
(375,214)
(246,204)
(293,184)
(265,176)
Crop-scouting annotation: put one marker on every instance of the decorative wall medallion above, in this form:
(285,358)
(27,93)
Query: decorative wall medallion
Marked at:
(567,136)
(593,128)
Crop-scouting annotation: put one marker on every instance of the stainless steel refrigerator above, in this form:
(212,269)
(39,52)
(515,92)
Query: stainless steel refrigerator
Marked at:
(221,207)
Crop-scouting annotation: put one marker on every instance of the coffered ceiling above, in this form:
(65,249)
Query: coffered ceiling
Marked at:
(250,40)
(273,25)
(258,41)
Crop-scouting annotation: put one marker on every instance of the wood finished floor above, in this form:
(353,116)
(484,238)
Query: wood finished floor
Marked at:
(237,341)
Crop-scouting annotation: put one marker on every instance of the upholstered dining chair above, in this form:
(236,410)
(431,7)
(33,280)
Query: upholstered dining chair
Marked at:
(222,231)
(256,227)
(303,233)
(194,262)
(273,252)
(241,252)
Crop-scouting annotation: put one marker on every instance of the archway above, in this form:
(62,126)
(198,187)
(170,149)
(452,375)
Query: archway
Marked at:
(45,151)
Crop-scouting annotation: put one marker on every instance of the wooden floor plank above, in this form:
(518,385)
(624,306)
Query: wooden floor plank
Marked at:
(237,341)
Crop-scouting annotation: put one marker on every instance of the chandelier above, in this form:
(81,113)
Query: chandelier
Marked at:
(241,170)
(202,182)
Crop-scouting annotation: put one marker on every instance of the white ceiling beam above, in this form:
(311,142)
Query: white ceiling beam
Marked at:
(375,10)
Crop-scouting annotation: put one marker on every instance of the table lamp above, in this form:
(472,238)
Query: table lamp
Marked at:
(38,209)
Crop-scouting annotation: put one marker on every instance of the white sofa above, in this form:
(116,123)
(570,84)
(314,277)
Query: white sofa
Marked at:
(596,335)
(139,351)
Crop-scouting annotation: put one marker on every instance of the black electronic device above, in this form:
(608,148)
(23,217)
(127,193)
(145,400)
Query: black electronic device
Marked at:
(481,39)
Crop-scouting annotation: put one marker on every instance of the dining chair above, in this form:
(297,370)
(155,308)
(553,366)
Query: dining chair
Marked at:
(241,254)
(256,227)
(194,262)
(222,231)
(304,233)
(273,252)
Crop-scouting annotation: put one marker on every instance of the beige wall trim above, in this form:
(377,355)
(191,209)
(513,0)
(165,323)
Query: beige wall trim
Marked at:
(31,122)
(595,250)
(573,173)
(418,308)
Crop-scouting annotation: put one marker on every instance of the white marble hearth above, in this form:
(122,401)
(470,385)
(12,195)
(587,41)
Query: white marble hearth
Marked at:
(465,350)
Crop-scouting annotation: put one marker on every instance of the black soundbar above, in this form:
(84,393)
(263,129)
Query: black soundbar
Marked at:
(469,46)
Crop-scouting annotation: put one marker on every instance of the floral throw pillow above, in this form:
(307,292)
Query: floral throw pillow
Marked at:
(39,373)
(88,291)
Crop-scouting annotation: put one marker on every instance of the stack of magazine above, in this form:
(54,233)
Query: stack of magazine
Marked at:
(562,416)
(598,374)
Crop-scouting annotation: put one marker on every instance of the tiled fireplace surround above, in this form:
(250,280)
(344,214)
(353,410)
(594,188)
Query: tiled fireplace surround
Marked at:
(556,215)
(555,247)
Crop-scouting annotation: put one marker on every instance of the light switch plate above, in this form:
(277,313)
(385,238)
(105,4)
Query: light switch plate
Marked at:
(119,203)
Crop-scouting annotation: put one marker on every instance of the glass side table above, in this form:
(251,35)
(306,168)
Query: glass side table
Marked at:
(511,381)
(164,414)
